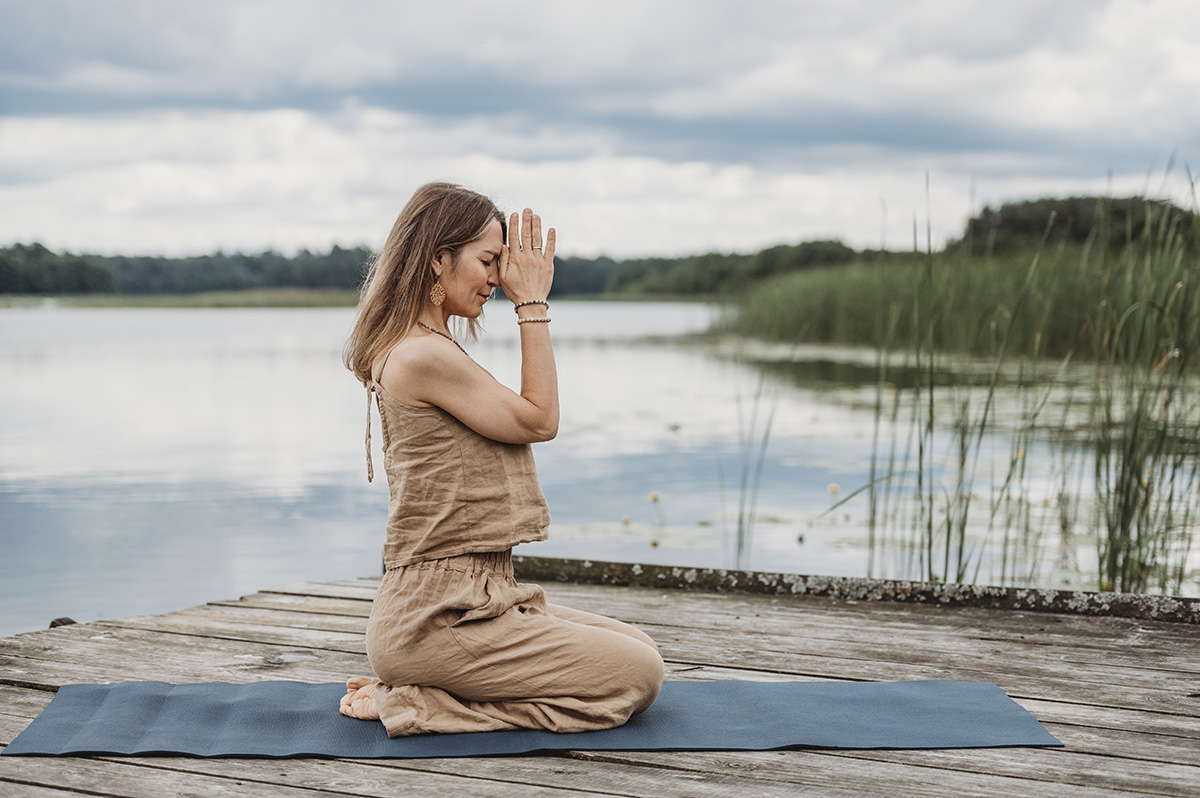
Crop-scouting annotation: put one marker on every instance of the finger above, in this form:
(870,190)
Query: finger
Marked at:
(526,227)
(536,235)
(549,253)
(514,231)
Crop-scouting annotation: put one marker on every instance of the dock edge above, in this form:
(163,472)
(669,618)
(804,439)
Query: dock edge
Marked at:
(1078,602)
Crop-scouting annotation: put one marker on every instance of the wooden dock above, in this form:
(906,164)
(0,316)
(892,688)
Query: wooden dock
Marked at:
(1122,694)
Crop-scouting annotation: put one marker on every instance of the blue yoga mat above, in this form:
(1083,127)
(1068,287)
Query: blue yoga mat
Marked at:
(293,719)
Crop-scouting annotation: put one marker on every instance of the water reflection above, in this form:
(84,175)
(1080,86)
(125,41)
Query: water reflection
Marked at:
(154,459)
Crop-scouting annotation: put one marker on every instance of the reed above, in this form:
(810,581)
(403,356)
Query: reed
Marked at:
(753,439)
(1146,410)
(950,479)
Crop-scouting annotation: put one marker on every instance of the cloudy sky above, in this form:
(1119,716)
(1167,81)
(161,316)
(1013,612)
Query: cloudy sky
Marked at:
(636,127)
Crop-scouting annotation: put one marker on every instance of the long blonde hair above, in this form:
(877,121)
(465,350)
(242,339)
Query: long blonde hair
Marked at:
(440,216)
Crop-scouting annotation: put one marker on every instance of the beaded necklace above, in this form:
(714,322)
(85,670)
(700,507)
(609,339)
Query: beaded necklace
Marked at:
(444,335)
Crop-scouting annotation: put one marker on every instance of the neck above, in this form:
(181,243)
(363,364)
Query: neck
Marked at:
(436,318)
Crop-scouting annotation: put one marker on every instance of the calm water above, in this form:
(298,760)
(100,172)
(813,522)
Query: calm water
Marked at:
(156,459)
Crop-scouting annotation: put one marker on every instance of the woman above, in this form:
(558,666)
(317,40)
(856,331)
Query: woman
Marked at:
(457,645)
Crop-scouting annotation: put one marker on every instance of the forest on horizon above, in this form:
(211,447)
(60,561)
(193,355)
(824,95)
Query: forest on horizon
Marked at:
(33,269)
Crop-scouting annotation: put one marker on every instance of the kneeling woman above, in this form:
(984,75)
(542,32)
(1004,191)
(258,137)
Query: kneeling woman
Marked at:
(456,643)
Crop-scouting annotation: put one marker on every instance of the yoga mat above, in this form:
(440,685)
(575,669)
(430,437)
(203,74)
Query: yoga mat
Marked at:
(291,719)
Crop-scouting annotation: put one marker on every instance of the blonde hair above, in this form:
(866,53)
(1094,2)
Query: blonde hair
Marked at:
(439,217)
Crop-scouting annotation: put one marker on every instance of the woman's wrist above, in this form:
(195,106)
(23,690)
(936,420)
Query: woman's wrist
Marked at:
(532,313)
(529,303)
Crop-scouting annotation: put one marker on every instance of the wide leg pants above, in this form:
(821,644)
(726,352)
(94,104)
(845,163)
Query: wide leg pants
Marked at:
(458,645)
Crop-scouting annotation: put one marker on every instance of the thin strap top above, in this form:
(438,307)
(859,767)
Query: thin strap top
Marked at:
(452,491)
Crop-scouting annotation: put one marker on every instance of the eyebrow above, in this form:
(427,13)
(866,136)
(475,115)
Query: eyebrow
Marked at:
(493,253)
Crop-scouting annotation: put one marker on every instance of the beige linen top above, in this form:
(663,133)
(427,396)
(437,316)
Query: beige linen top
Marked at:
(453,491)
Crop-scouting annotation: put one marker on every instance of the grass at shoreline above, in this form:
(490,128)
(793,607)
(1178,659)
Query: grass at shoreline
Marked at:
(1125,469)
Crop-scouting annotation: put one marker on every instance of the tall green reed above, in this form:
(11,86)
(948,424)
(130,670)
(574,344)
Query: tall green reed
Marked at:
(978,330)
(1146,411)
(753,440)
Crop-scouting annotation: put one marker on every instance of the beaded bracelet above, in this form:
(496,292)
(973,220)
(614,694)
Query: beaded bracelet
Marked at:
(541,302)
(545,320)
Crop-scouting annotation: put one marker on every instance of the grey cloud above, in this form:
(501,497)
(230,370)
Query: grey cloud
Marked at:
(611,75)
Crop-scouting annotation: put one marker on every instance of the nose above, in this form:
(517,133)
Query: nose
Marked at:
(493,278)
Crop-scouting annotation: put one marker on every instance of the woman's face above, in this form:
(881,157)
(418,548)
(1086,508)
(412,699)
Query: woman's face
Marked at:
(471,273)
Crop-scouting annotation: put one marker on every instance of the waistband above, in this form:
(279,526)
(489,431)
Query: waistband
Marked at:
(484,562)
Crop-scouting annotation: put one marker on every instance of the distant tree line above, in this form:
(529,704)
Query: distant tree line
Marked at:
(36,270)
(707,274)
(1108,221)
(33,269)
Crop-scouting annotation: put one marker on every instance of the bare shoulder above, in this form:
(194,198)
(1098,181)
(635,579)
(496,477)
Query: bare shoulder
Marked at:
(416,363)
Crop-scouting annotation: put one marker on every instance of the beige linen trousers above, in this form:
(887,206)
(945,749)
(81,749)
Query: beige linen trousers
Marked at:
(459,646)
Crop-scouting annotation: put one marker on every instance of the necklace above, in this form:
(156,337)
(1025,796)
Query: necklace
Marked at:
(444,335)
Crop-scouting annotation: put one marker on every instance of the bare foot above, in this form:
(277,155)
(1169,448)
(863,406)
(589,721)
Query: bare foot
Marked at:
(359,700)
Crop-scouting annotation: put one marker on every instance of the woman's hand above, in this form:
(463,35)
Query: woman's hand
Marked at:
(426,370)
(527,263)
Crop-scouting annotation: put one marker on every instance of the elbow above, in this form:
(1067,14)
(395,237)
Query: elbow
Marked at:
(532,427)
(545,432)
(544,428)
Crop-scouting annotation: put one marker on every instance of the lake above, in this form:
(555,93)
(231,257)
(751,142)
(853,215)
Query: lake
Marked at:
(152,459)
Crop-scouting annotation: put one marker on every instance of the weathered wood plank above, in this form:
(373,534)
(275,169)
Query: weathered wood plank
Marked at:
(1060,688)
(326,590)
(825,617)
(11,789)
(550,776)
(91,653)
(307,604)
(1087,760)
(1058,766)
(805,768)
(1125,744)
(197,625)
(24,703)
(1133,720)
(957,655)
(286,618)
(154,778)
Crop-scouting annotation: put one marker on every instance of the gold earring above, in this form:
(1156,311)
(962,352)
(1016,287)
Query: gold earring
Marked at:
(437,294)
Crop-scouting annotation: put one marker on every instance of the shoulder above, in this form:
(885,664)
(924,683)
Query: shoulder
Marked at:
(422,352)
(415,362)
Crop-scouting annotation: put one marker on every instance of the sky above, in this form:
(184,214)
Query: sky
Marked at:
(635,127)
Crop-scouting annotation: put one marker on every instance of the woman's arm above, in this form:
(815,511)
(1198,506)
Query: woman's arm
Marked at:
(431,370)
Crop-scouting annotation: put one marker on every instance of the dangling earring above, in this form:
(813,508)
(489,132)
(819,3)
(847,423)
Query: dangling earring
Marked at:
(437,294)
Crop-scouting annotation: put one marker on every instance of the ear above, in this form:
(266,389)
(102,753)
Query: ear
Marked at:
(441,260)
